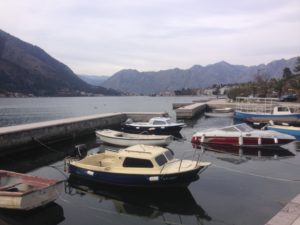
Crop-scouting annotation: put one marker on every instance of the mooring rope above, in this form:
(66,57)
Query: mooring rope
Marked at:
(46,146)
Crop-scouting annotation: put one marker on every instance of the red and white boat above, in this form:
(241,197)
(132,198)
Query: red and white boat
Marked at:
(241,135)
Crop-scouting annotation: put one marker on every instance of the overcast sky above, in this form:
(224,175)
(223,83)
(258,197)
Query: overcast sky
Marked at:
(101,37)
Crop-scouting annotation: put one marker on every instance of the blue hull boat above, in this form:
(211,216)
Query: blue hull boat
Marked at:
(291,130)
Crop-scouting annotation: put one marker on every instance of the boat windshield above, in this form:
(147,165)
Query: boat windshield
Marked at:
(244,127)
(169,155)
(161,160)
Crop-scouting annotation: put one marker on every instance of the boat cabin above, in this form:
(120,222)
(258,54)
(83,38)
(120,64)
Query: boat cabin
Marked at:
(160,121)
(281,110)
(137,156)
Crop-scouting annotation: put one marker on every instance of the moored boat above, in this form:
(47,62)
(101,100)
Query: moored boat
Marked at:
(223,110)
(26,192)
(156,125)
(138,166)
(262,108)
(291,130)
(127,139)
(219,115)
(241,135)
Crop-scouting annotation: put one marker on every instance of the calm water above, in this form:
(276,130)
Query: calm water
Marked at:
(237,189)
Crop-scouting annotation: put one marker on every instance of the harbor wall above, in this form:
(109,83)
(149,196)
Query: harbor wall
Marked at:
(23,136)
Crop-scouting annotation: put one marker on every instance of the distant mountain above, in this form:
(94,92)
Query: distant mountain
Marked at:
(196,77)
(29,70)
(93,79)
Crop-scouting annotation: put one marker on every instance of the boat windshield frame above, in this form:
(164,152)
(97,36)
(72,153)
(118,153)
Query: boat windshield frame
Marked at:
(242,127)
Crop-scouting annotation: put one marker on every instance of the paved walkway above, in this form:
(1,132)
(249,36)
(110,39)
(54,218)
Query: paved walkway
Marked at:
(289,215)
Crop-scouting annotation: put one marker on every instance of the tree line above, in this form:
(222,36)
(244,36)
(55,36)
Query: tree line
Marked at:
(264,86)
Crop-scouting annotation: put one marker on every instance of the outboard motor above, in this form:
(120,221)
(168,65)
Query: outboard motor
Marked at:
(80,151)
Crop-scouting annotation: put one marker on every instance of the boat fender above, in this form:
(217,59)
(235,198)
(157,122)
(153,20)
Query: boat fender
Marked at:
(275,140)
(259,140)
(203,138)
(241,140)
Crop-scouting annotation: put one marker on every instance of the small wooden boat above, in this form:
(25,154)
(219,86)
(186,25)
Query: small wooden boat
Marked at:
(291,130)
(127,139)
(156,125)
(241,135)
(25,192)
(138,166)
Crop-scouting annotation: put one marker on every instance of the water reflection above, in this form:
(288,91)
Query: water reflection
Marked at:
(144,203)
(51,214)
(297,145)
(240,155)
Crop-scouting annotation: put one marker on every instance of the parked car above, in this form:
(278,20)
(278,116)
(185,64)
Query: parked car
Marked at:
(288,98)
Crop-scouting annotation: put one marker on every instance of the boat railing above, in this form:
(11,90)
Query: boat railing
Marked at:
(256,105)
(193,156)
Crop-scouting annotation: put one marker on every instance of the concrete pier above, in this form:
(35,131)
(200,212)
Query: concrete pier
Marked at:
(22,136)
(289,215)
(190,111)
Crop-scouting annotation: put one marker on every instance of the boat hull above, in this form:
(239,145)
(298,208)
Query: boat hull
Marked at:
(294,131)
(244,115)
(30,200)
(152,129)
(235,141)
(181,179)
(130,141)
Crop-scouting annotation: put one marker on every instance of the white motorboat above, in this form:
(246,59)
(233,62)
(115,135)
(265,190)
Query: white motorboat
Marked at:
(138,166)
(241,135)
(156,125)
(126,139)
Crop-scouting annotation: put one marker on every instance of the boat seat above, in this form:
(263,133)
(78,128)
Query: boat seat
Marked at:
(7,187)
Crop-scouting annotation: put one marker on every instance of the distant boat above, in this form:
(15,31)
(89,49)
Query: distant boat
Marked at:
(290,130)
(223,110)
(219,115)
(26,192)
(241,135)
(156,125)
(262,108)
(126,139)
(138,166)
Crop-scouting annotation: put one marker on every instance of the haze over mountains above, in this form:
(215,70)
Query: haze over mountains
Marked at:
(133,81)
(29,70)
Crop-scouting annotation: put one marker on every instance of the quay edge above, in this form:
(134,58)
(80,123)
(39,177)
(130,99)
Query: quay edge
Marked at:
(22,137)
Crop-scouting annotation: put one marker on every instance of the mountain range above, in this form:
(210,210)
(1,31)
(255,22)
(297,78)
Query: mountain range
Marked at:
(93,79)
(133,81)
(29,70)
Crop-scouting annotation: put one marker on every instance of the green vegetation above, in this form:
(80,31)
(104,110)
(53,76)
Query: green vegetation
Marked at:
(263,86)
